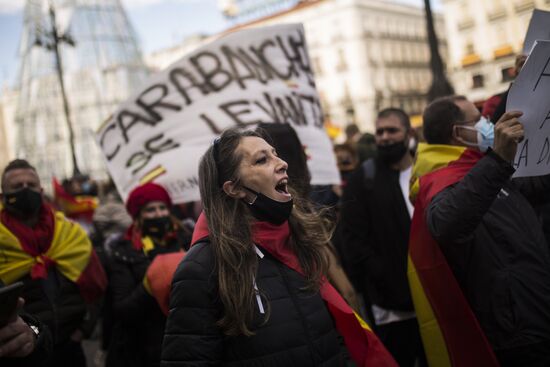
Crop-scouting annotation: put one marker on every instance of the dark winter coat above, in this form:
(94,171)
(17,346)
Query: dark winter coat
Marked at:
(138,320)
(495,246)
(373,237)
(299,332)
(56,301)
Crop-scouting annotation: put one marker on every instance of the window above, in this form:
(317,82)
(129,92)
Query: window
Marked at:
(342,66)
(477,81)
(508,74)
(317,66)
(500,34)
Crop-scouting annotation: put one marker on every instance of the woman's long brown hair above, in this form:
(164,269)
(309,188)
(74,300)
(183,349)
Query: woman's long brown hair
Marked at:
(229,222)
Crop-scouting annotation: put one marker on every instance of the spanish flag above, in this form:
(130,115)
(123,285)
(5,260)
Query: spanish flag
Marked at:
(70,252)
(75,207)
(430,157)
(450,331)
(364,347)
(158,279)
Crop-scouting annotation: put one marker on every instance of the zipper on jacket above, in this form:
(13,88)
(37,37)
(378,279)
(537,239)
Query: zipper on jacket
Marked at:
(256,290)
(300,313)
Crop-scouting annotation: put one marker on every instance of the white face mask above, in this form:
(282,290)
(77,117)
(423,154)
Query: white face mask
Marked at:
(485,134)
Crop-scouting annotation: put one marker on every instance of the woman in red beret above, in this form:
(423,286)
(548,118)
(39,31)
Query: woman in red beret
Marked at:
(139,321)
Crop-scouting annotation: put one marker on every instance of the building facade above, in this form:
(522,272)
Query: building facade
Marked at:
(484,37)
(161,59)
(102,66)
(366,54)
(8,101)
(239,11)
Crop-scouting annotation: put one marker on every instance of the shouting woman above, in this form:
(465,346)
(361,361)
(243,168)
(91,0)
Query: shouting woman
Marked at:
(252,290)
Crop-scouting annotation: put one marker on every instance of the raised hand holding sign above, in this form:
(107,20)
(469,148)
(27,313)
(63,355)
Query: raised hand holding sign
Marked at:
(529,94)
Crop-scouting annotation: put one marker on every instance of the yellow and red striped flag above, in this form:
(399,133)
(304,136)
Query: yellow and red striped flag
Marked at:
(450,331)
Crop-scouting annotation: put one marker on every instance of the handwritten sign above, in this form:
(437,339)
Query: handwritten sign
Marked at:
(242,79)
(539,29)
(529,94)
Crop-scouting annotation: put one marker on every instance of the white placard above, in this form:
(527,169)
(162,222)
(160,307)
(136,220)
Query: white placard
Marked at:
(539,29)
(242,79)
(530,93)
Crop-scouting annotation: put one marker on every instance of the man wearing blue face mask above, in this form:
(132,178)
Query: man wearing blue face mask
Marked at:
(478,251)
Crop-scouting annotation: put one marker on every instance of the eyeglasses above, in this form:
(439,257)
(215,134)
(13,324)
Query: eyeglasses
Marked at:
(389,130)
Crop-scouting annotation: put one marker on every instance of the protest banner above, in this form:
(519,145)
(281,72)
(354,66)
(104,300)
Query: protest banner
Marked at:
(529,94)
(242,79)
(539,29)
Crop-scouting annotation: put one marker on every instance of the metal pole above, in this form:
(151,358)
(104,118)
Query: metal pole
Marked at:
(440,85)
(59,67)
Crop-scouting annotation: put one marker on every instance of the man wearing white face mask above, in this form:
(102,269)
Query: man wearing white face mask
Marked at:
(478,253)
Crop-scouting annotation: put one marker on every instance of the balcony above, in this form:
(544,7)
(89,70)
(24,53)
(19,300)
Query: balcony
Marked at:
(466,23)
(471,59)
(524,5)
(497,14)
(503,51)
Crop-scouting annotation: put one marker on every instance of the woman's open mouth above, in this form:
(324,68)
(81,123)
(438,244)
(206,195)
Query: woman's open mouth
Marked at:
(282,188)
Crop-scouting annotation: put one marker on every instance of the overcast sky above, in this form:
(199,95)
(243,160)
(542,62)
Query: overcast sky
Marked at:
(158,23)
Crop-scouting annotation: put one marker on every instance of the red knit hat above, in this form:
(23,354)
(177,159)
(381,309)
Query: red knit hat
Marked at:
(141,195)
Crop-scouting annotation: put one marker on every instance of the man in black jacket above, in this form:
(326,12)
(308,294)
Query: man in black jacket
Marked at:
(53,257)
(374,227)
(490,235)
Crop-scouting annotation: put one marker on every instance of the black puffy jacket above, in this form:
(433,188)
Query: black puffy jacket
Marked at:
(495,246)
(299,332)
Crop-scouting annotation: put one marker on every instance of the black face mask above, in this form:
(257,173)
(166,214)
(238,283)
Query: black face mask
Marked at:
(392,153)
(266,209)
(156,227)
(24,203)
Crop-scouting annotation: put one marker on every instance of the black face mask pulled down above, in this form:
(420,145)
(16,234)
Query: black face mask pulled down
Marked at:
(265,209)
(156,227)
(23,203)
(392,153)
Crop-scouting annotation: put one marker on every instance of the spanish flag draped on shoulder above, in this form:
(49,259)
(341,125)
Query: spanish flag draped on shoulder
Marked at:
(67,248)
(364,347)
(450,331)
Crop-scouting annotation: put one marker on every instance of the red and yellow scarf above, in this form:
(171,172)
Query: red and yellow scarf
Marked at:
(450,331)
(54,241)
(158,278)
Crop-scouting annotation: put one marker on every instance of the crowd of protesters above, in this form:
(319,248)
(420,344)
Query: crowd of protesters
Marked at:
(427,254)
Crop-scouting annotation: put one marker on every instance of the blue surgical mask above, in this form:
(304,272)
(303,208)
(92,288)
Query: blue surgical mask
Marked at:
(485,134)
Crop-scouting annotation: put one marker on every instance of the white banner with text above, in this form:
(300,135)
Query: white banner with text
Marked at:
(241,79)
